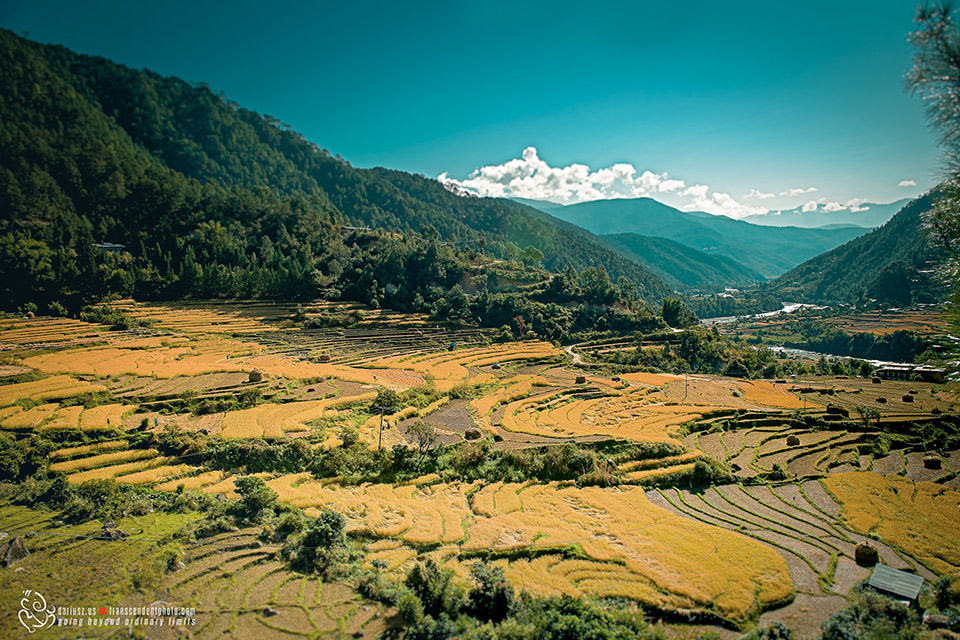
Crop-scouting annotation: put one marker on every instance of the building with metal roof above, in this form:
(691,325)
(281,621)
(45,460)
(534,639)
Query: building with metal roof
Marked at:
(900,584)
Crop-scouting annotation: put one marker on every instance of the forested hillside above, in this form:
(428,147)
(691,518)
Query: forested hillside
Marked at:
(891,264)
(212,200)
(682,267)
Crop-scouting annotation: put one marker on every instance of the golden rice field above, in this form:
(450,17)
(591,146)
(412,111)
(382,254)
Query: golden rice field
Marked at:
(631,414)
(193,482)
(449,369)
(636,550)
(105,416)
(65,418)
(89,448)
(728,550)
(202,320)
(114,470)
(53,388)
(17,418)
(155,474)
(46,330)
(103,460)
(920,518)
(273,420)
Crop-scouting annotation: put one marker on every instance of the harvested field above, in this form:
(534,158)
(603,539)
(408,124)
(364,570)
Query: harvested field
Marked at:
(231,583)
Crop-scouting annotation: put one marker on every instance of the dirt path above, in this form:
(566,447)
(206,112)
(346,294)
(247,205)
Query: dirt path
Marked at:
(573,356)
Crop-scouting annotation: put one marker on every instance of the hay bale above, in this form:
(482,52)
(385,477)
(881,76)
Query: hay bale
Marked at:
(866,554)
(581,379)
(907,397)
(473,434)
(324,357)
(881,400)
(255,376)
(14,552)
(793,440)
(932,462)
(913,392)
(875,380)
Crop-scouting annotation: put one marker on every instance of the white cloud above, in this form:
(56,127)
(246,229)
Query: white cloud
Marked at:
(530,177)
(798,191)
(854,204)
(722,204)
(760,195)
(810,206)
(907,183)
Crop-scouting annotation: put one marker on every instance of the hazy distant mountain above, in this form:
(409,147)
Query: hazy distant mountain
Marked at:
(680,266)
(766,250)
(891,264)
(870,216)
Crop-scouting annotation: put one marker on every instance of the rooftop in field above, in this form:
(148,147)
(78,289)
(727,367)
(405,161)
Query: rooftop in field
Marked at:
(899,583)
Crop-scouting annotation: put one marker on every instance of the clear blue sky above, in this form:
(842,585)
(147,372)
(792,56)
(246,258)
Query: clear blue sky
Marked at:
(736,96)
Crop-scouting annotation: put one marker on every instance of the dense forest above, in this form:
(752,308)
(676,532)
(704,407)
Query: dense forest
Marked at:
(211,200)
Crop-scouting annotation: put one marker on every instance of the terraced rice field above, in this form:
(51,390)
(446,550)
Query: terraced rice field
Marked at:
(919,518)
(454,367)
(801,522)
(71,568)
(273,421)
(653,552)
(53,388)
(633,414)
(241,589)
(728,551)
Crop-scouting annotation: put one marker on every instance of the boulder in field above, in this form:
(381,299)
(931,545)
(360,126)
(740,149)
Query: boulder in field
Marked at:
(14,552)
(792,440)
(472,434)
(255,376)
(932,462)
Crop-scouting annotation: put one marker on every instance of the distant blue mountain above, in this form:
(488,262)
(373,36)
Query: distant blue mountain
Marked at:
(767,250)
(869,216)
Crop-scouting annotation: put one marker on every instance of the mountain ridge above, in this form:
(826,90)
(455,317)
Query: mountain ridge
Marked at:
(130,156)
(890,264)
(770,251)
